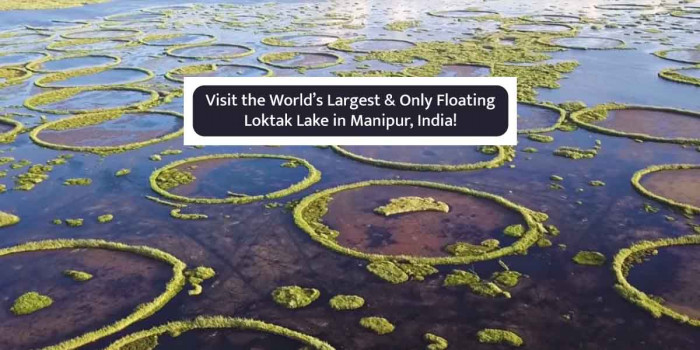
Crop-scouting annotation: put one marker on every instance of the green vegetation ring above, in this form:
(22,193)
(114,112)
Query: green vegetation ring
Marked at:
(65,45)
(334,20)
(637,184)
(54,80)
(234,23)
(445,13)
(150,336)
(172,288)
(570,32)
(45,57)
(548,41)
(308,216)
(562,116)
(313,176)
(664,54)
(504,155)
(128,33)
(88,119)
(621,264)
(279,40)
(624,7)
(553,18)
(273,57)
(345,45)
(686,14)
(210,67)
(171,51)
(147,40)
(9,136)
(578,117)
(78,25)
(35,102)
(13,75)
(676,74)
(36,66)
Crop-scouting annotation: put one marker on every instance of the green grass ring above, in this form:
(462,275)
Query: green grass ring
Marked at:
(313,176)
(165,9)
(548,41)
(36,66)
(128,33)
(571,32)
(172,288)
(624,7)
(119,16)
(147,40)
(34,135)
(210,67)
(533,233)
(172,52)
(45,55)
(280,42)
(676,74)
(234,23)
(54,80)
(553,19)
(444,13)
(686,14)
(576,118)
(637,184)
(503,156)
(663,54)
(65,45)
(316,21)
(220,323)
(345,45)
(562,116)
(18,36)
(78,25)
(16,75)
(270,59)
(9,136)
(636,296)
(35,102)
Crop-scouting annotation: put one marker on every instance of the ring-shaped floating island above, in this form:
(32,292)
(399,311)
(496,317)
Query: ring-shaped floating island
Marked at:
(40,101)
(292,40)
(295,59)
(348,45)
(639,175)
(328,20)
(13,75)
(540,27)
(161,10)
(686,14)
(238,50)
(241,20)
(311,178)
(553,18)
(584,43)
(22,58)
(544,107)
(210,69)
(175,39)
(625,259)
(92,119)
(95,77)
(624,7)
(172,288)
(503,155)
(10,135)
(134,16)
(176,328)
(691,76)
(112,33)
(59,25)
(692,56)
(590,117)
(76,46)
(14,39)
(72,62)
(308,215)
(463,14)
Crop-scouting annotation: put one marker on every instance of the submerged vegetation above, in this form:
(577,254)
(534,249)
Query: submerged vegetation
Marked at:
(499,336)
(586,257)
(379,325)
(411,204)
(30,302)
(78,276)
(295,297)
(346,302)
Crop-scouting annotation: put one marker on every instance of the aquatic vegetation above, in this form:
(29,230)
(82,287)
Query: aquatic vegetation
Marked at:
(74,222)
(435,342)
(505,154)
(474,283)
(587,118)
(400,26)
(556,178)
(676,74)
(81,46)
(665,55)
(388,271)
(295,297)
(153,39)
(517,230)
(277,59)
(312,177)
(411,204)
(596,183)
(54,80)
(216,322)
(507,278)
(174,177)
(10,135)
(499,336)
(13,75)
(197,276)
(204,69)
(29,303)
(155,157)
(467,249)
(637,178)
(379,325)
(36,102)
(103,219)
(586,257)
(78,276)
(39,66)
(96,118)
(240,51)
(168,203)
(467,14)
(122,172)
(540,138)
(346,302)
(575,152)
(7,219)
(288,41)
(83,181)
(8,5)
(35,175)
(624,260)
(530,150)
(177,214)
(577,43)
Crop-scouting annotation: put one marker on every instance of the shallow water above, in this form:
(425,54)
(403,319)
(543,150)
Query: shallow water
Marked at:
(119,76)
(682,186)
(213,51)
(66,64)
(650,122)
(535,117)
(464,70)
(14,59)
(379,44)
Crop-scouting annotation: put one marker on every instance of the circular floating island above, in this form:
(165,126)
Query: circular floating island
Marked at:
(97,132)
(677,185)
(14,39)
(214,70)
(465,70)
(86,45)
(95,77)
(463,14)
(585,43)
(9,129)
(173,39)
(624,7)
(686,75)
(680,55)
(210,51)
(495,157)
(13,75)
(103,34)
(330,20)
(553,18)
(184,173)
(539,117)
(73,62)
(545,28)
(641,122)
(98,99)
(239,20)
(134,16)
(370,45)
(300,40)
(21,58)
(301,60)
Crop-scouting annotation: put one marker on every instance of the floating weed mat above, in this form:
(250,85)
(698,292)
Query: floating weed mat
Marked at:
(585,43)
(13,39)
(59,25)
(8,5)
(209,70)
(680,55)
(590,118)
(624,7)
(553,18)
(13,75)
(328,20)
(21,58)
(300,40)
(308,215)
(465,14)
(86,45)
(134,16)
(235,20)
(66,101)
(639,175)
(501,156)
(94,119)
(624,261)
(172,288)
(363,45)
(103,34)
(73,62)
(685,75)
(686,14)
(301,60)
(465,70)
(545,28)
(550,117)
(210,52)
(173,39)
(162,175)
(167,9)
(95,77)
(148,339)
(15,127)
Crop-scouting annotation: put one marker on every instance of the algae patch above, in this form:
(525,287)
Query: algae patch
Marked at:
(499,336)
(30,302)
(295,297)
(411,204)
(379,325)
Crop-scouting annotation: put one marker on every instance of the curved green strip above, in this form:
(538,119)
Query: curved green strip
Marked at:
(13,75)
(65,45)
(345,45)
(49,81)
(35,102)
(637,184)
(310,179)
(548,41)
(562,116)
(36,66)
(132,33)
(664,54)
(273,57)
(208,67)
(571,32)
(147,40)
(675,74)
(46,57)
(171,52)
(172,288)
(9,136)
(310,222)
(279,40)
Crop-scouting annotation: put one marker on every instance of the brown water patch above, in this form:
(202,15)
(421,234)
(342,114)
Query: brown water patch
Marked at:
(422,154)
(653,122)
(470,220)
(679,185)
(227,339)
